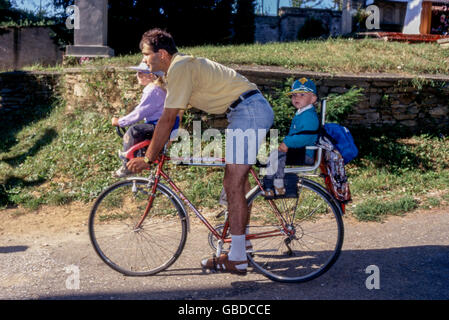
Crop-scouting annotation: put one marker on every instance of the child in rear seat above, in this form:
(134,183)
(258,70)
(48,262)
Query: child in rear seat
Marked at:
(303,94)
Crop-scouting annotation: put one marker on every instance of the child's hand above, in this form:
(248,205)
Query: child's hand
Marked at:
(283,147)
(114,121)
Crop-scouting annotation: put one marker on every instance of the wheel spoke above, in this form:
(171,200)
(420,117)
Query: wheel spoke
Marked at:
(313,241)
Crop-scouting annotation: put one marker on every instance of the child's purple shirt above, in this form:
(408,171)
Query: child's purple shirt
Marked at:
(150,107)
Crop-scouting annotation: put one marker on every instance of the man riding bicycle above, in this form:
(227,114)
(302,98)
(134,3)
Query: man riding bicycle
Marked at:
(215,89)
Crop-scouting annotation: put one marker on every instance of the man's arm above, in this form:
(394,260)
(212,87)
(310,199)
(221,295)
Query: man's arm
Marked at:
(162,132)
(160,137)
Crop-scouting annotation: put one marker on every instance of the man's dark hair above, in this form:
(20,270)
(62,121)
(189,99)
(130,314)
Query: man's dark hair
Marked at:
(159,39)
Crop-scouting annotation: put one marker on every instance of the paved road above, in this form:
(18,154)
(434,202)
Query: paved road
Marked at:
(411,254)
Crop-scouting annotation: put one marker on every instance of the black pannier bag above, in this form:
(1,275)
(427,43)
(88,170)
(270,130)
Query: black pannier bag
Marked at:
(290,184)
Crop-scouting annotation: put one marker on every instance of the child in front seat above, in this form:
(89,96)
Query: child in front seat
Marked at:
(304,95)
(149,109)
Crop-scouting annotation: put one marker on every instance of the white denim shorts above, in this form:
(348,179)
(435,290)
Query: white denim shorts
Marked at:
(249,123)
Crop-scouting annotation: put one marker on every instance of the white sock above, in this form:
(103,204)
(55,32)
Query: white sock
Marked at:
(247,243)
(278,183)
(238,250)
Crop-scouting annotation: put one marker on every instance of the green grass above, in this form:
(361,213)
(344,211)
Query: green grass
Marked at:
(54,157)
(332,56)
(377,209)
(51,157)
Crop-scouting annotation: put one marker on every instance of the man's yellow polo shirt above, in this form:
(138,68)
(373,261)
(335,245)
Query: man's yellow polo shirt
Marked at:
(203,84)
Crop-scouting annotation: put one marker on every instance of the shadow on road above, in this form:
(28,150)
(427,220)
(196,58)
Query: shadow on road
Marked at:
(419,272)
(11,249)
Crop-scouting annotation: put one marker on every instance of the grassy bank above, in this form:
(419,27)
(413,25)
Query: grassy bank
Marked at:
(332,55)
(49,156)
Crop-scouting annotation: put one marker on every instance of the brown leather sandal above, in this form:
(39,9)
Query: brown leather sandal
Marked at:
(223,264)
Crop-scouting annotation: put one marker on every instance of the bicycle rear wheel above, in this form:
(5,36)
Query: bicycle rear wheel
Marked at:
(313,242)
(131,250)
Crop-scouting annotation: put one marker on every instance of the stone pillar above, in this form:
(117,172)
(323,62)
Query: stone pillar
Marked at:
(346,17)
(92,35)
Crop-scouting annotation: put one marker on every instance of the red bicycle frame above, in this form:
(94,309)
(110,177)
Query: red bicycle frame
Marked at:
(160,173)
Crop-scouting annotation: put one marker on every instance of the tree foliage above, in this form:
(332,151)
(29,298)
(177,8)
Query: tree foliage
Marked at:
(306,3)
(9,14)
(193,22)
(244,26)
(333,4)
(12,16)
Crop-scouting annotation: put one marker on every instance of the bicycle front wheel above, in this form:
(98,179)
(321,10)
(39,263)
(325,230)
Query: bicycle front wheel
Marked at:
(312,242)
(124,245)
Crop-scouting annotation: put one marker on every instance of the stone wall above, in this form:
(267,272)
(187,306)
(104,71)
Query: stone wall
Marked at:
(388,99)
(27,46)
(266,29)
(27,89)
(290,20)
(392,15)
(107,91)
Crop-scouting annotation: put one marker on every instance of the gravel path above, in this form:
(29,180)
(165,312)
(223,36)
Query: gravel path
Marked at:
(42,253)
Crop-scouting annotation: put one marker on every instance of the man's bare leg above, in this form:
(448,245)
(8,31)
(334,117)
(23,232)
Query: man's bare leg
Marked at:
(235,184)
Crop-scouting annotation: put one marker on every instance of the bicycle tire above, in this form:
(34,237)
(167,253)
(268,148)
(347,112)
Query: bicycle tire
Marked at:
(317,238)
(144,251)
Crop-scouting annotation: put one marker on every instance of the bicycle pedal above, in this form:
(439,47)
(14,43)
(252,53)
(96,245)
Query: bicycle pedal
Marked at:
(289,253)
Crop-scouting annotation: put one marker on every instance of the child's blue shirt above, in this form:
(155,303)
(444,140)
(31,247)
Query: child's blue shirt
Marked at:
(304,119)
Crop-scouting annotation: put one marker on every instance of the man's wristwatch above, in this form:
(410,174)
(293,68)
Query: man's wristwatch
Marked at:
(146,159)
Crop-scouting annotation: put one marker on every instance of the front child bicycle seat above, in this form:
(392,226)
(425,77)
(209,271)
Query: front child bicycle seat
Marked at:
(139,149)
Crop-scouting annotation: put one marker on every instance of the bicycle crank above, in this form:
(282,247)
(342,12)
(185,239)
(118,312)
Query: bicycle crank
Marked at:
(213,241)
(289,251)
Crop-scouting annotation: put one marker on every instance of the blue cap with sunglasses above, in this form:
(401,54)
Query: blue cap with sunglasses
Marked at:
(303,85)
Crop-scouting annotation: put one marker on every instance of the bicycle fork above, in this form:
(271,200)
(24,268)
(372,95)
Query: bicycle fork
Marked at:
(151,197)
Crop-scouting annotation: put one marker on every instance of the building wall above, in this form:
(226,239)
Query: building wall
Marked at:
(392,15)
(24,46)
(267,29)
(290,20)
